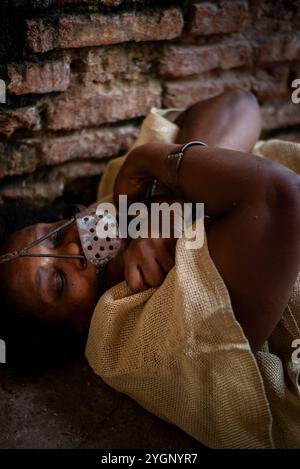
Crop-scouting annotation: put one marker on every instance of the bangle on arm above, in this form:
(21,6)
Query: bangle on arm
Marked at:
(173,162)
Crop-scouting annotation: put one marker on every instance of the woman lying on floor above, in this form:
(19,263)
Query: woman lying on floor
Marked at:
(193,344)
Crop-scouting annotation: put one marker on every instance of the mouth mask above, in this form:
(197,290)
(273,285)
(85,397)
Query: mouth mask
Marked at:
(99,236)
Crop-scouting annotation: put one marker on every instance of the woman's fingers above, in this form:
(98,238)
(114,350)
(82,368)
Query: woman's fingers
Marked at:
(140,277)
(141,268)
(133,276)
(146,264)
(152,273)
(166,261)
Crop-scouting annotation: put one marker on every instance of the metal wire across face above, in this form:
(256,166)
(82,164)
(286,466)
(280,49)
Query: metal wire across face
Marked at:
(98,233)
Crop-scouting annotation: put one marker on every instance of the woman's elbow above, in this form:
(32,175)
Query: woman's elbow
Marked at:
(286,194)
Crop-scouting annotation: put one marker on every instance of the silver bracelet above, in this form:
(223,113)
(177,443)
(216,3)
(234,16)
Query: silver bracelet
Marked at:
(156,188)
(173,162)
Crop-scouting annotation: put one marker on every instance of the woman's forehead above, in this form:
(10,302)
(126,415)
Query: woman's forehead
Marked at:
(17,276)
(14,268)
(27,235)
(19,238)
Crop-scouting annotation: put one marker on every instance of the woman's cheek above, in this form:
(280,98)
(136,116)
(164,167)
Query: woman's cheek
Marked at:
(87,287)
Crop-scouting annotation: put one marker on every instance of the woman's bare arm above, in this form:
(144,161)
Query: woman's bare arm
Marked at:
(254,240)
(231,120)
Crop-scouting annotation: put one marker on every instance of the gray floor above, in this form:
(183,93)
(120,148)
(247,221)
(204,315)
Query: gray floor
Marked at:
(73,408)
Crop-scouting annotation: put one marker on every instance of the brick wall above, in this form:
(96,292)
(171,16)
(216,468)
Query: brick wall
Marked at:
(81,74)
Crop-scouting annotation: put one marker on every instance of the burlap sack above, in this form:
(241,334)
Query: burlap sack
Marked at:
(179,351)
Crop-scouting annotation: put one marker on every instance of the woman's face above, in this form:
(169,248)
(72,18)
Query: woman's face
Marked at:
(50,289)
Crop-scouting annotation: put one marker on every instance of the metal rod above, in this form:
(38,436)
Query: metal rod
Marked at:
(58,256)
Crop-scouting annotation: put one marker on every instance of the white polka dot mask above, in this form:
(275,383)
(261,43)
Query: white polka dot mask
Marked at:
(99,235)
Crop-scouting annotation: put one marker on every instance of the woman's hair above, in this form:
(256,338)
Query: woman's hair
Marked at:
(31,343)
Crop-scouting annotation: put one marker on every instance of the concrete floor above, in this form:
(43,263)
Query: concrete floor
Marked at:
(73,408)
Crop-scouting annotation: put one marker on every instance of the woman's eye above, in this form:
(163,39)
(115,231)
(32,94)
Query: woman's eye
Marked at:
(60,281)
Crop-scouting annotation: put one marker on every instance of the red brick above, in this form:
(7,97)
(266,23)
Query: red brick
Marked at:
(180,61)
(73,31)
(236,54)
(223,17)
(39,36)
(186,93)
(266,84)
(271,84)
(126,61)
(278,48)
(183,94)
(19,159)
(188,60)
(38,4)
(282,114)
(39,77)
(44,186)
(100,144)
(27,155)
(97,105)
(23,118)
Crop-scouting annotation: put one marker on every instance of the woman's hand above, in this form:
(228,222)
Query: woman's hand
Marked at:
(132,179)
(147,261)
(143,164)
